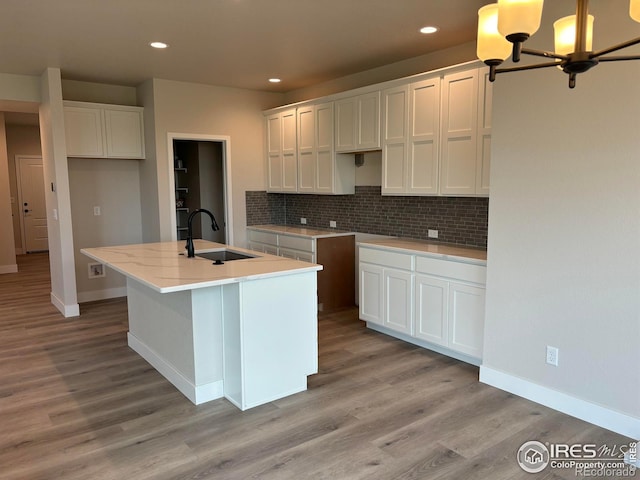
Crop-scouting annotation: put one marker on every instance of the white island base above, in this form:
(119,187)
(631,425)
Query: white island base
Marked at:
(252,341)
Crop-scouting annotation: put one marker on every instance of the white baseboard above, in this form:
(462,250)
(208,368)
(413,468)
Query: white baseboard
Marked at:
(576,407)
(196,393)
(105,294)
(9,268)
(66,310)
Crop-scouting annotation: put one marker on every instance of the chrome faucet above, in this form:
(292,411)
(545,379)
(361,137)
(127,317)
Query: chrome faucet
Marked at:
(214,227)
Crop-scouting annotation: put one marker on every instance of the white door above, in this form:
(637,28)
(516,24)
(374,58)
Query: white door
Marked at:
(32,204)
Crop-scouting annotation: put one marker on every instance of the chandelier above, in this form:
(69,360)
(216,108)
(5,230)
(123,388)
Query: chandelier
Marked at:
(504,26)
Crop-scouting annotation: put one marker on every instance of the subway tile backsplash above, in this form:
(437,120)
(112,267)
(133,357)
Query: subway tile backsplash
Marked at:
(459,220)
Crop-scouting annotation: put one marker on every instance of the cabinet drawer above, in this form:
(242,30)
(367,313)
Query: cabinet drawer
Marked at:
(297,255)
(262,237)
(388,259)
(297,243)
(450,269)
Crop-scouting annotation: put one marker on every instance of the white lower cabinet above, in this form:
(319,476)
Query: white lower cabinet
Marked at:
(466,318)
(371,285)
(398,307)
(431,302)
(431,309)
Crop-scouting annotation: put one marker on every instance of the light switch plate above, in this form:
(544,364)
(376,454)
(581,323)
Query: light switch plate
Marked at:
(303,221)
(432,233)
(332,224)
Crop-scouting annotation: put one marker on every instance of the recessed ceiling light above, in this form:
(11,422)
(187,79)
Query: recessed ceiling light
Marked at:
(158,45)
(427,30)
(275,80)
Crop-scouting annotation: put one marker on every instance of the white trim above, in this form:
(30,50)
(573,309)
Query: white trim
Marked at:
(226,166)
(9,268)
(196,393)
(66,310)
(105,294)
(16,161)
(576,407)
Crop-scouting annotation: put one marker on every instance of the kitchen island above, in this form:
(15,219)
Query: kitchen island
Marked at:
(243,329)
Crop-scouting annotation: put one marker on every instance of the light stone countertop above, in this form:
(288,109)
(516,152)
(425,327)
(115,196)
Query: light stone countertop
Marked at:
(300,231)
(444,251)
(161,267)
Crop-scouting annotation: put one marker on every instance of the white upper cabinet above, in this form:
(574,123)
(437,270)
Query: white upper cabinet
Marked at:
(124,133)
(282,158)
(307,153)
(395,133)
(434,130)
(459,133)
(411,121)
(301,157)
(357,123)
(483,157)
(436,136)
(104,131)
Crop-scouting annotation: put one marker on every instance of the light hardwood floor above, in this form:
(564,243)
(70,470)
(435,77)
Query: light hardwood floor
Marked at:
(77,403)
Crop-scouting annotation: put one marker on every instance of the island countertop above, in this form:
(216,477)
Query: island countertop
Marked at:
(161,267)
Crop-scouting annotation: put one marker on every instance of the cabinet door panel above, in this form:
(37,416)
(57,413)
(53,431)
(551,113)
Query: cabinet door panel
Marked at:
(124,133)
(424,136)
(394,140)
(423,168)
(431,309)
(289,131)
(306,149)
(306,172)
(345,117)
(290,172)
(459,134)
(274,135)
(485,100)
(371,285)
(275,172)
(325,163)
(394,173)
(398,304)
(466,318)
(368,121)
(84,133)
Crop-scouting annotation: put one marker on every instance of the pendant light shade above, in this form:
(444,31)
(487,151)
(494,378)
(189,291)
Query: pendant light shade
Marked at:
(565,35)
(519,17)
(491,45)
(634,10)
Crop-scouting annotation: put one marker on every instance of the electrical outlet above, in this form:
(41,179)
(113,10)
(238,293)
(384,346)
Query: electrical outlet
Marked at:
(552,355)
(96,211)
(303,221)
(332,224)
(96,270)
(432,233)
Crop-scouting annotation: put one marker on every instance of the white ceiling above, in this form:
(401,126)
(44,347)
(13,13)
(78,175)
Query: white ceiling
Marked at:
(238,43)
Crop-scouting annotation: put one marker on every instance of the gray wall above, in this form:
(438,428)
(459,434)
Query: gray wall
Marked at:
(564,230)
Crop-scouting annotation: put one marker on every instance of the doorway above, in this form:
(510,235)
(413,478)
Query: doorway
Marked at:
(201,179)
(33,211)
